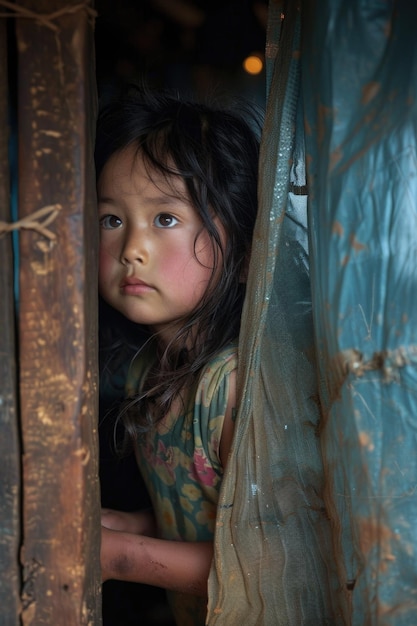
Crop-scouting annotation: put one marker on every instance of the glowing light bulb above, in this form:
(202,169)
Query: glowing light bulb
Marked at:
(253,64)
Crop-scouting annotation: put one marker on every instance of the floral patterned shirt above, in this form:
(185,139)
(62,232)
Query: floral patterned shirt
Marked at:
(179,461)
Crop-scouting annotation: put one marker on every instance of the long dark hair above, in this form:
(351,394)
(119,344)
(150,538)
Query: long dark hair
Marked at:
(215,151)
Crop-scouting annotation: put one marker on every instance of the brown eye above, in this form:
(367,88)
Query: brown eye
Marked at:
(109,222)
(165,220)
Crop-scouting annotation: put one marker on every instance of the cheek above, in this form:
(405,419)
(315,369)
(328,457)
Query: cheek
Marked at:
(172,266)
(189,275)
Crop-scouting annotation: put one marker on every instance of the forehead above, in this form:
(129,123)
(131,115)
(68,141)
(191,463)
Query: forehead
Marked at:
(127,170)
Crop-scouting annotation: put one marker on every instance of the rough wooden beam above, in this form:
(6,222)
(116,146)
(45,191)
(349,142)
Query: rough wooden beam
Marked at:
(58,310)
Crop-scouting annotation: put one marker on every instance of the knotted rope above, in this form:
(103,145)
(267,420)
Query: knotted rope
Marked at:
(47,214)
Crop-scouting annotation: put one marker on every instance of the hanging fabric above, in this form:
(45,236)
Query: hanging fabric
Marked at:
(274,563)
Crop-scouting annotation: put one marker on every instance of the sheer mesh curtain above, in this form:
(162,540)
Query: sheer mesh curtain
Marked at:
(274,564)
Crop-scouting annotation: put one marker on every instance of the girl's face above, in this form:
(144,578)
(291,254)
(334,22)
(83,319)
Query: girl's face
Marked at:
(156,259)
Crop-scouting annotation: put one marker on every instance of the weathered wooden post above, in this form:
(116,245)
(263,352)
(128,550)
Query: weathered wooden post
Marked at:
(57,314)
(9,437)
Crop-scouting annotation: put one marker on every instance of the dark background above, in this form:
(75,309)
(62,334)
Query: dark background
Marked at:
(194,46)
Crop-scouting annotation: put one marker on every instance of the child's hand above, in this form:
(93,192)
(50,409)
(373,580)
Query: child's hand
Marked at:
(118,520)
(137,523)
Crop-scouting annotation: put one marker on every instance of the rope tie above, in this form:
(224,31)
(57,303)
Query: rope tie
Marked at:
(46,19)
(46,215)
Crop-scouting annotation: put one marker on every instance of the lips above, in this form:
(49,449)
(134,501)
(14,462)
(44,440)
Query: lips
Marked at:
(134,287)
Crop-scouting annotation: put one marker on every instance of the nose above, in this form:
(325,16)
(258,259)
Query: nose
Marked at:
(134,247)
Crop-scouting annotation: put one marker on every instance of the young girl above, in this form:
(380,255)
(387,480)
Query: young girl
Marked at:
(177,195)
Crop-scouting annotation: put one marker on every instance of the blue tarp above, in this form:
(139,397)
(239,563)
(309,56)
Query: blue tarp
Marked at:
(359,86)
